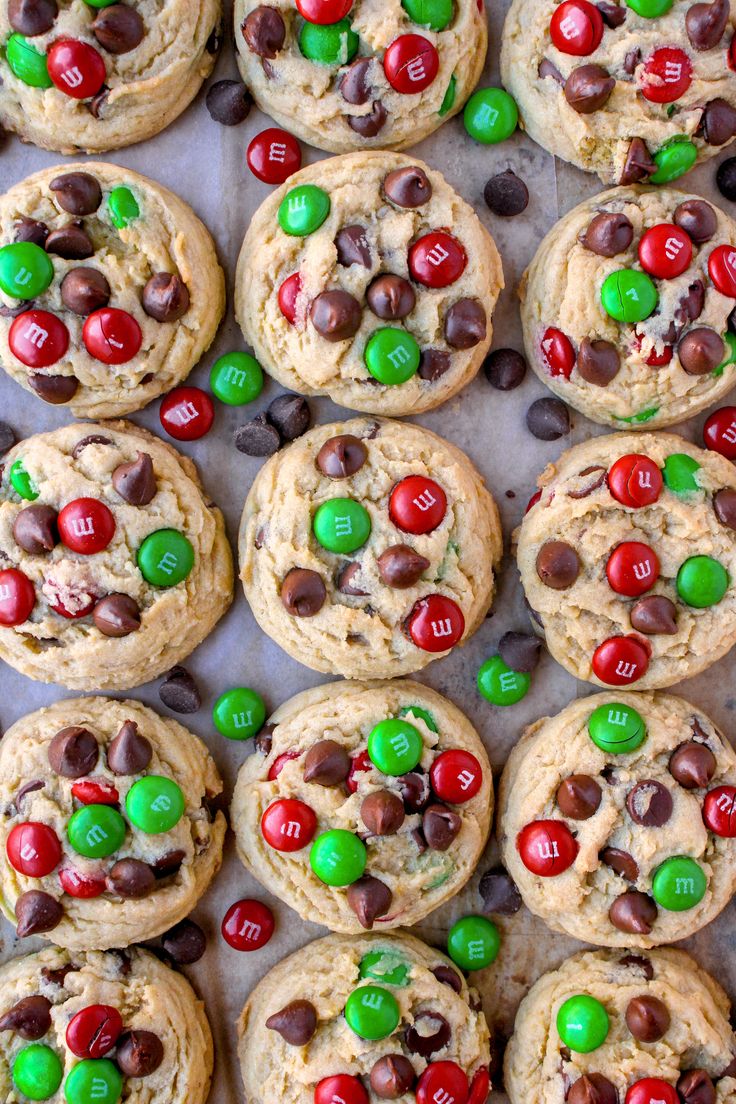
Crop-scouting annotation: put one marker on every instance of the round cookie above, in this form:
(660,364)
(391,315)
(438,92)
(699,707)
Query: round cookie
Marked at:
(388,779)
(110,290)
(386,304)
(626,307)
(367,74)
(369,548)
(617,819)
(79,78)
(98,1026)
(113,563)
(639,90)
(627,556)
(297,1038)
(620,1006)
(109,832)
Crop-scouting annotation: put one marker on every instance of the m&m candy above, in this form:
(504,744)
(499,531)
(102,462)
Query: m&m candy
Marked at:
(96,831)
(680,473)
(547,847)
(372,1012)
(26,62)
(635,480)
(620,660)
(665,251)
(411,63)
(165,557)
(679,883)
(341,525)
(576,27)
(616,728)
(94,1079)
(187,413)
(17,597)
(473,942)
(391,355)
(490,115)
(274,155)
(86,526)
(76,68)
(719,432)
(499,684)
(37,1071)
(112,335)
(443,1081)
(719,811)
(437,259)
(628,295)
(236,378)
(123,207)
(288,824)
(154,804)
(239,713)
(395,747)
(417,505)
(702,581)
(632,568)
(33,849)
(667,75)
(38,338)
(436,623)
(25,270)
(338,857)
(340,1088)
(303,210)
(557,352)
(247,925)
(456,776)
(93,1031)
(652,1090)
(582,1023)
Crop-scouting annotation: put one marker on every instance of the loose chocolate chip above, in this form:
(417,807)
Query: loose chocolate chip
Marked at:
(592,1088)
(79,193)
(264,31)
(34,529)
(185,943)
(84,442)
(53,389)
(327,763)
(135,481)
(32,17)
(352,247)
(520,651)
(303,592)
(7,438)
(724,504)
(368,126)
(506,194)
(257,437)
(290,414)
(341,456)
(228,102)
(130,878)
(558,564)
(139,1053)
(84,290)
(165,297)
(345,579)
(118,28)
(608,234)
(408,187)
(30,1018)
(392,1076)
(579,796)
(414,790)
(700,351)
(179,691)
(296,1022)
(354,85)
(429,1033)
(433,363)
(726,178)
(391,297)
(718,122)
(692,765)
(499,893)
(638,164)
(647,1018)
(36,912)
(654,614)
(505,369)
(614,15)
(401,567)
(336,315)
(548,419)
(73,752)
(588,88)
(465,324)
(382,812)
(696,1087)
(129,752)
(649,803)
(705,23)
(697,218)
(598,361)
(440,826)
(633,912)
(369,898)
(169,863)
(447,976)
(117,615)
(620,862)
(546,68)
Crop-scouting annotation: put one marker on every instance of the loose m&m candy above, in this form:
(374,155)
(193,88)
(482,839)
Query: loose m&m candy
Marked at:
(247,925)
(473,943)
(274,155)
(187,413)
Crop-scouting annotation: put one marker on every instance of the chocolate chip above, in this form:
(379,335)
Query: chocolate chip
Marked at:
(638,164)
(129,752)
(179,691)
(724,504)
(118,28)
(7,438)
(139,1053)
(36,912)
(433,363)
(592,1088)
(548,419)
(391,297)
(429,1033)
(32,17)
(73,752)
(392,1076)
(369,898)
(620,862)
(705,23)
(263,742)
(327,763)
(633,912)
(505,369)
(414,790)
(34,529)
(447,976)
(135,481)
(354,85)
(608,234)
(290,414)
(257,437)
(520,651)
(228,102)
(341,456)
(649,803)
(654,614)
(130,879)
(97,103)
(696,1087)
(718,122)
(506,194)
(169,863)
(691,304)
(84,290)
(588,88)
(296,1022)
(368,126)
(401,567)
(30,1018)
(546,68)
(165,297)
(79,193)
(579,796)
(726,178)
(598,361)
(499,893)
(408,187)
(352,247)
(345,579)
(647,1018)
(638,962)
(303,592)
(30,230)
(84,442)
(185,942)
(54,389)
(264,31)
(214,42)
(594,476)
(465,324)
(336,315)
(382,812)
(614,15)
(700,351)
(558,564)
(57,976)
(632,58)
(117,615)
(440,826)
(28,788)
(692,765)
(71,242)
(697,218)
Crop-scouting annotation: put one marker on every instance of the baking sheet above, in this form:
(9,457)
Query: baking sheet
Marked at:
(205,164)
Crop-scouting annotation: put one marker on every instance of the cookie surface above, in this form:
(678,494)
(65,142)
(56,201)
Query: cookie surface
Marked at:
(628,559)
(378,560)
(419,844)
(433,1015)
(665,992)
(110,290)
(638,92)
(378,79)
(96,591)
(674,250)
(153,1031)
(118,78)
(84,807)
(603,806)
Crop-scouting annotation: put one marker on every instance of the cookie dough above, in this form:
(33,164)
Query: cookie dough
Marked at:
(124,1018)
(627,557)
(71,769)
(377,77)
(110,290)
(632,91)
(386,304)
(369,548)
(430,1025)
(663,998)
(395,766)
(679,356)
(114,564)
(79,78)
(603,806)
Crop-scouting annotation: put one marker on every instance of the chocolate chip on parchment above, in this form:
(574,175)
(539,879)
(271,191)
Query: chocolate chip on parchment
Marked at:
(579,796)
(633,912)
(179,691)
(139,1053)
(290,414)
(548,419)
(505,369)
(257,437)
(165,297)
(391,297)
(185,943)
(341,456)
(117,615)
(30,1018)
(327,763)
(392,1076)
(7,438)
(303,592)
(401,567)
(73,752)
(520,651)
(32,17)
(647,1018)
(506,194)
(382,812)
(129,752)
(369,898)
(296,1022)
(135,481)
(608,234)
(408,187)
(130,879)
(726,178)
(264,31)
(34,529)
(718,122)
(352,247)
(228,102)
(440,826)
(36,912)
(78,193)
(499,893)
(56,390)
(692,765)
(84,290)
(118,28)
(655,613)
(558,564)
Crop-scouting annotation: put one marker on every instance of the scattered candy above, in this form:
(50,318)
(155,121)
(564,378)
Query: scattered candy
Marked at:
(719,432)
(236,378)
(372,1012)
(239,713)
(490,115)
(247,925)
(274,155)
(473,942)
(499,684)
(187,413)
(582,1023)
(719,811)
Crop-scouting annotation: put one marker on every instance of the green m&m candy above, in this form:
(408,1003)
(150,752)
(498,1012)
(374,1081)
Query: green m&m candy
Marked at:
(491,115)
(96,831)
(123,207)
(679,884)
(628,295)
(372,1012)
(435,14)
(673,160)
(385,966)
(239,713)
(729,340)
(391,355)
(25,270)
(650,9)
(338,857)
(100,3)
(473,942)
(37,1071)
(94,1081)
(303,210)
(448,100)
(422,714)
(702,582)
(616,728)
(165,558)
(329,43)
(236,378)
(154,804)
(582,1023)
(341,525)
(26,62)
(679,473)
(21,481)
(395,747)
(499,684)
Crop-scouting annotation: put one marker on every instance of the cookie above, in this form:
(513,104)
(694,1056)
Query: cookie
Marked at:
(364,803)
(363,1018)
(108,831)
(356,74)
(369,548)
(79,78)
(626,307)
(113,563)
(110,290)
(631,91)
(105,1027)
(617,819)
(627,556)
(586,1032)
(367,278)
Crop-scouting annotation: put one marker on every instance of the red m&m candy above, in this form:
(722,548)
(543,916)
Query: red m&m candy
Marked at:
(274,154)
(719,432)
(732,54)
(441,1083)
(719,811)
(358,764)
(38,338)
(410,63)
(111,335)
(17,597)
(247,925)
(72,611)
(655,359)
(288,293)
(558,355)
(480,1087)
(652,1090)
(436,623)
(86,525)
(437,259)
(94,1030)
(417,505)
(33,849)
(341,1088)
(91,792)
(667,75)
(288,824)
(576,27)
(76,68)
(456,776)
(323,11)
(722,269)
(187,413)
(533,501)
(546,847)
(620,660)
(279,763)
(632,568)
(80,885)
(665,251)
(635,480)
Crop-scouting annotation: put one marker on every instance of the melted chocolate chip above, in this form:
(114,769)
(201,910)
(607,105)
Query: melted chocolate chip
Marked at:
(546,68)
(649,803)
(724,504)
(620,862)
(440,826)
(354,85)
(598,361)
(718,122)
(408,187)
(391,297)
(34,529)
(633,912)
(27,788)
(429,1033)
(327,763)
(415,791)
(341,456)
(303,592)
(73,752)
(129,752)
(84,442)
(369,898)
(84,290)
(30,230)
(264,31)
(30,1018)
(169,863)
(139,1053)
(579,796)
(352,247)
(608,234)
(447,976)
(614,15)
(558,565)
(696,1087)
(165,297)
(346,580)
(336,315)
(392,1076)
(401,567)
(296,1022)
(382,812)
(135,481)
(592,1088)
(78,193)
(71,242)
(368,126)
(654,614)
